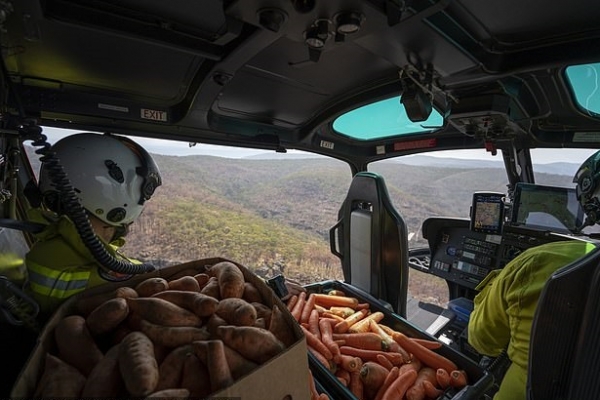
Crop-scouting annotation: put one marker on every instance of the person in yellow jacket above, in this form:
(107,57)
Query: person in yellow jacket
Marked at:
(112,178)
(505,306)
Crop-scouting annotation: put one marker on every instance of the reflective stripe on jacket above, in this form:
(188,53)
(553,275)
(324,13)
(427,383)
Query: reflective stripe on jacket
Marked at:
(60,265)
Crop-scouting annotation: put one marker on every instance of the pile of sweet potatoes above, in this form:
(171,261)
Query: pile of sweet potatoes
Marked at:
(372,360)
(189,336)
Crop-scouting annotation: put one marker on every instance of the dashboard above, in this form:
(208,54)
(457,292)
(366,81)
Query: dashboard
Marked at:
(464,257)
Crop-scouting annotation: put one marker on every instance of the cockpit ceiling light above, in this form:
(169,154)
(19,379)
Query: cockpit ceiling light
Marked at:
(348,23)
(313,38)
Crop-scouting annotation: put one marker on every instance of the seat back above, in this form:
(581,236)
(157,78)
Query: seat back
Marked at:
(564,356)
(371,240)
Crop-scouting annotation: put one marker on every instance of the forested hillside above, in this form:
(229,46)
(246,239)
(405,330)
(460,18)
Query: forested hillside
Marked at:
(275,215)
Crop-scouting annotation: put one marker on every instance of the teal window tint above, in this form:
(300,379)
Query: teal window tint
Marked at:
(585,83)
(383,119)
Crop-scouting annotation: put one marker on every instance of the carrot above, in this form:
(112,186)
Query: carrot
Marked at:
(371,355)
(230,277)
(349,363)
(387,339)
(431,391)
(367,340)
(308,307)
(391,377)
(343,326)
(414,364)
(299,306)
(343,374)
(327,336)
(458,378)
(320,309)
(328,315)
(427,356)
(323,396)
(200,304)
(137,364)
(417,390)
(430,344)
(373,375)
(313,323)
(292,302)
(336,292)
(363,325)
(399,386)
(332,300)
(186,283)
(314,395)
(317,344)
(356,385)
(321,358)
(362,306)
(343,312)
(443,378)
(384,362)
(236,311)
(255,344)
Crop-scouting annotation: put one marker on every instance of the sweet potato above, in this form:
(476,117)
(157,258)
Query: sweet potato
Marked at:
(236,311)
(202,279)
(171,368)
(216,362)
(76,345)
(212,288)
(238,364)
(251,293)
(195,378)
(188,283)
(107,316)
(172,336)
(105,379)
(214,321)
(162,312)
(59,380)
(262,311)
(255,344)
(169,394)
(200,304)
(148,287)
(230,277)
(137,364)
(87,303)
(280,328)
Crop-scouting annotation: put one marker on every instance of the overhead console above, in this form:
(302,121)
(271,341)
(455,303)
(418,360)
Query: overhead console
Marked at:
(464,251)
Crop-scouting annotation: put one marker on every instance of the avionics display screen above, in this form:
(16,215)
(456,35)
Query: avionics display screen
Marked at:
(487,212)
(551,208)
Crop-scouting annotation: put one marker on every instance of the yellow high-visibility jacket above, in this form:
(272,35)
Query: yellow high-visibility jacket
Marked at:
(505,307)
(60,265)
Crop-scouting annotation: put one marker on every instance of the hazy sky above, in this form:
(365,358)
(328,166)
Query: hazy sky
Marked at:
(169,147)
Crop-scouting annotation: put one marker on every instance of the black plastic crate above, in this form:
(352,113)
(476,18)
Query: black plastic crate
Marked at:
(479,379)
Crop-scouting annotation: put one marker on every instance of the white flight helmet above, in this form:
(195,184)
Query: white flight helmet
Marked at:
(112,176)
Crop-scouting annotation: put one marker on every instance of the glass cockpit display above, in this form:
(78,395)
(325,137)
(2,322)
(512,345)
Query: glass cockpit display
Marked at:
(549,208)
(487,212)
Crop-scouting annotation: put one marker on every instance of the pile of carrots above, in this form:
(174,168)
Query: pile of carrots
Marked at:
(372,360)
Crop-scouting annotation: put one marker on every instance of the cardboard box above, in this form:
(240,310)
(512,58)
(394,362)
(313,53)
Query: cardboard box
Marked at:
(285,376)
(479,380)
